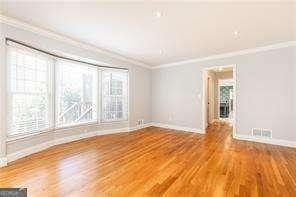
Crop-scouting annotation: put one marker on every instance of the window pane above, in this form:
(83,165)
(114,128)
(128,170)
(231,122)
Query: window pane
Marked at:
(114,95)
(29,98)
(76,93)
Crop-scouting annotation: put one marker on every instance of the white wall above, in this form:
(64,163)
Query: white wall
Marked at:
(139,82)
(264,92)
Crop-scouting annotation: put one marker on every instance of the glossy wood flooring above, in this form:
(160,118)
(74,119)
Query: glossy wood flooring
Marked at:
(157,162)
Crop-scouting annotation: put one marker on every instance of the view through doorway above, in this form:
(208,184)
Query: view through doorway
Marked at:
(219,95)
(225,99)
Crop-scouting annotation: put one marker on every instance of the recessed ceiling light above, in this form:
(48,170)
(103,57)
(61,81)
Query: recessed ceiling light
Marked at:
(236,33)
(160,52)
(158,14)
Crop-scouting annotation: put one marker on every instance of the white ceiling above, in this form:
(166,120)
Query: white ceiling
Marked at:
(185,31)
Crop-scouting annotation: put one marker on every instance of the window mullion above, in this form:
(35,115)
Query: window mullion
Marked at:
(53,93)
(99,95)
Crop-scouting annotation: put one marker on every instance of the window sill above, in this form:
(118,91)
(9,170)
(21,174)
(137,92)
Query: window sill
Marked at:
(69,126)
(15,137)
(114,121)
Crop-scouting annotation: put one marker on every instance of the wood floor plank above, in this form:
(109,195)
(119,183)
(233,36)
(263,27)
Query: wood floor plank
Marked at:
(157,162)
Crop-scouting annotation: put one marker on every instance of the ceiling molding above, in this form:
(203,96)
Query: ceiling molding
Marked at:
(28,27)
(231,54)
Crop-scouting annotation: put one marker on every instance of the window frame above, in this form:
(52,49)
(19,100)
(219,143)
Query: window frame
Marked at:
(52,97)
(72,125)
(9,94)
(127,98)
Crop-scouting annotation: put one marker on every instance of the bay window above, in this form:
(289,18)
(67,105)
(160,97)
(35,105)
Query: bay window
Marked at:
(47,92)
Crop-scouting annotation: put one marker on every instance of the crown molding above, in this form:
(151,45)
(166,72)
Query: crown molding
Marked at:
(28,27)
(50,34)
(231,54)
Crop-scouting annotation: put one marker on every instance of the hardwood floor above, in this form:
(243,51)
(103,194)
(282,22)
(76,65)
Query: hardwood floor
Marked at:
(154,162)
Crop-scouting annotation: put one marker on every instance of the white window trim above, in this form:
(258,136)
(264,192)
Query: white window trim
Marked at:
(123,120)
(14,46)
(73,124)
(53,127)
(24,135)
(99,95)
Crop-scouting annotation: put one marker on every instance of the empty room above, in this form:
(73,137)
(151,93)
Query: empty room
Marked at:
(147,98)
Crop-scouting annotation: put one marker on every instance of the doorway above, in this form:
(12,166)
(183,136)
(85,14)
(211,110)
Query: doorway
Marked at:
(219,95)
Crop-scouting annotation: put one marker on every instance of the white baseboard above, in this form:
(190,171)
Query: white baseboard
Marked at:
(3,161)
(175,127)
(28,151)
(73,138)
(37,148)
(266,140)
(43,146)
(140,127)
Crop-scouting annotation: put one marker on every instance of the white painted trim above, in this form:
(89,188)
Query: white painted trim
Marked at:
(73,138)
(235,136)
(50,34)
(225,82)
(230,54)
(3,161)
(38,30)
(176,127)
(204,101)
(37,148)
(266,140)
(140,127)
(28,151)
(28,27)
(235,91)
(46,145)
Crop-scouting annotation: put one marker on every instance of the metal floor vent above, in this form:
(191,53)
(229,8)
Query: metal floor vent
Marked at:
(260,132)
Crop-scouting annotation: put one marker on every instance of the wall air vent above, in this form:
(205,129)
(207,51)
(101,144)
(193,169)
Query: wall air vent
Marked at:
(260,132)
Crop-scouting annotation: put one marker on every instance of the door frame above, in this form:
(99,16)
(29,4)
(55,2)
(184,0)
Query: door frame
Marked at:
(204,99)
(209,103)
